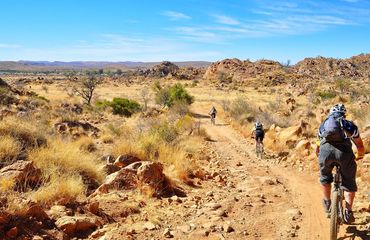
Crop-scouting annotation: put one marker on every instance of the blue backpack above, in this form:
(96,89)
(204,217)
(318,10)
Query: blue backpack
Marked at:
(333,130)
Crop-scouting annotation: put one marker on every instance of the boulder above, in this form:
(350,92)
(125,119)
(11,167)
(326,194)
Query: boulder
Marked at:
(21,172)
(124,179)
(151,174)
(76,224)
(366,139)
(58,211)
(303,145)
(125,160)
(37,212)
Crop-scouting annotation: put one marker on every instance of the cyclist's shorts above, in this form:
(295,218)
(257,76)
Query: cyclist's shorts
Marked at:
(259,135)
(342,155)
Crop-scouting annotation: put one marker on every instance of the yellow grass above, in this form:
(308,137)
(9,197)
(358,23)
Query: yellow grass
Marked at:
(60,190)
(26,131)
(9,148)
(86,144)
(61,157)
(6,184)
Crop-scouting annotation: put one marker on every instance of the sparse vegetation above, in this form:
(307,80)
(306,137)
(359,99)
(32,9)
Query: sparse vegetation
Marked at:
(326,94)
(120,106)
(170,95)
(87,88)
(9,149)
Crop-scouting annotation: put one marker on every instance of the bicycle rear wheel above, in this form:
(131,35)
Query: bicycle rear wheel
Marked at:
(334,221)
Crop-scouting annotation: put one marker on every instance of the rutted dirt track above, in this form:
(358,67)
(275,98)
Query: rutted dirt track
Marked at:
(270,202)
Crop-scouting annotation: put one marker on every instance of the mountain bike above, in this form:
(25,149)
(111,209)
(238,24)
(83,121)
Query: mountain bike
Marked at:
(336,210)
(213,121)
(259,148)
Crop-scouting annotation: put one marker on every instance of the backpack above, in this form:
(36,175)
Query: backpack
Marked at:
(333,130)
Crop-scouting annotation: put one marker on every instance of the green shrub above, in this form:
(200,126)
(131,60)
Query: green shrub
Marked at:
(168,96)
(326,94)
(120,106)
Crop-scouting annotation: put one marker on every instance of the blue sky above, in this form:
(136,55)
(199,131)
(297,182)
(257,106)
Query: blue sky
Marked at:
(182,30)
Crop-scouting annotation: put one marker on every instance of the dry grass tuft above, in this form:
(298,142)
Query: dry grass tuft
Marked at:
(86,144)
(61,157)
(60,190)
(9,149)
(25,131)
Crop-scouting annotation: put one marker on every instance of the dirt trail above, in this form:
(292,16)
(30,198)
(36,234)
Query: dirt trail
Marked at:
(288,202)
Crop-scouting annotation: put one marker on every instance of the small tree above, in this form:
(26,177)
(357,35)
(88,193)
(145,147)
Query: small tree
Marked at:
(145,96)
(87,88)
(170,95)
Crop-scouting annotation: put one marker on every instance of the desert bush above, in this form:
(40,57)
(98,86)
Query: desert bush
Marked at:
(124,106)
(223,77)
(61,157)
(241,109)
(180,108)
(27,132)
(168,96)
(343,85)
(185,124)
(326,94)
(120,106)
(9,149)
(165,132)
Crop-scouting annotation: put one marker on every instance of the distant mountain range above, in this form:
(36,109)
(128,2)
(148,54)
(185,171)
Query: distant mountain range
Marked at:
(81,65)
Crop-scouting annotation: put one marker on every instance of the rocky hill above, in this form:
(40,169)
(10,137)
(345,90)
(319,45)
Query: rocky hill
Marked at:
(313,68)
(240,70)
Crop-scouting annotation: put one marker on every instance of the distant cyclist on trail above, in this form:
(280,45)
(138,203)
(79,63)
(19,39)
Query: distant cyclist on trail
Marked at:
(334,147)
(213,113)
(258,133)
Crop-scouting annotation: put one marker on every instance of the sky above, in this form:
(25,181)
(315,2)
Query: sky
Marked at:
(182,30)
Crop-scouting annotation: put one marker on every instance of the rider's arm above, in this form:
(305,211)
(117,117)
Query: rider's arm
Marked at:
(360,147)
(353,132)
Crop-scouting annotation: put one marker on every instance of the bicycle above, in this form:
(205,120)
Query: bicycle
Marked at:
(259,148)
(336,209)
(213,121)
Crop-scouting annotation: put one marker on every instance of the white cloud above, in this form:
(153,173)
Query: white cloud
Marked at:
(2,45)
(173,16)
(226,20)
(116,47)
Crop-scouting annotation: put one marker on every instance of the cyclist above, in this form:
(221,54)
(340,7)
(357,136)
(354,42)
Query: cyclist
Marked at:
(334,146)
(213,113)
(258,133)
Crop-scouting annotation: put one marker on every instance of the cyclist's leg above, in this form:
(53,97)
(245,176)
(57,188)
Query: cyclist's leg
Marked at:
(326,176)
(348,170)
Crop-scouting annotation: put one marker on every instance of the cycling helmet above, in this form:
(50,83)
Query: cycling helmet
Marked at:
(338,108)
(258,124)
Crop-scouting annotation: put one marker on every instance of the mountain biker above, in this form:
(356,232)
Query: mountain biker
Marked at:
(334,146)
(213,112)
(258,133)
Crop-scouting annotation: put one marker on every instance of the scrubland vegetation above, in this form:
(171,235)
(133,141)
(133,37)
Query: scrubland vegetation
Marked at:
(92,139)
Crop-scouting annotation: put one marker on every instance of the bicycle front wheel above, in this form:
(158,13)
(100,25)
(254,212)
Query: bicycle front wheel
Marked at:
(334,223)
